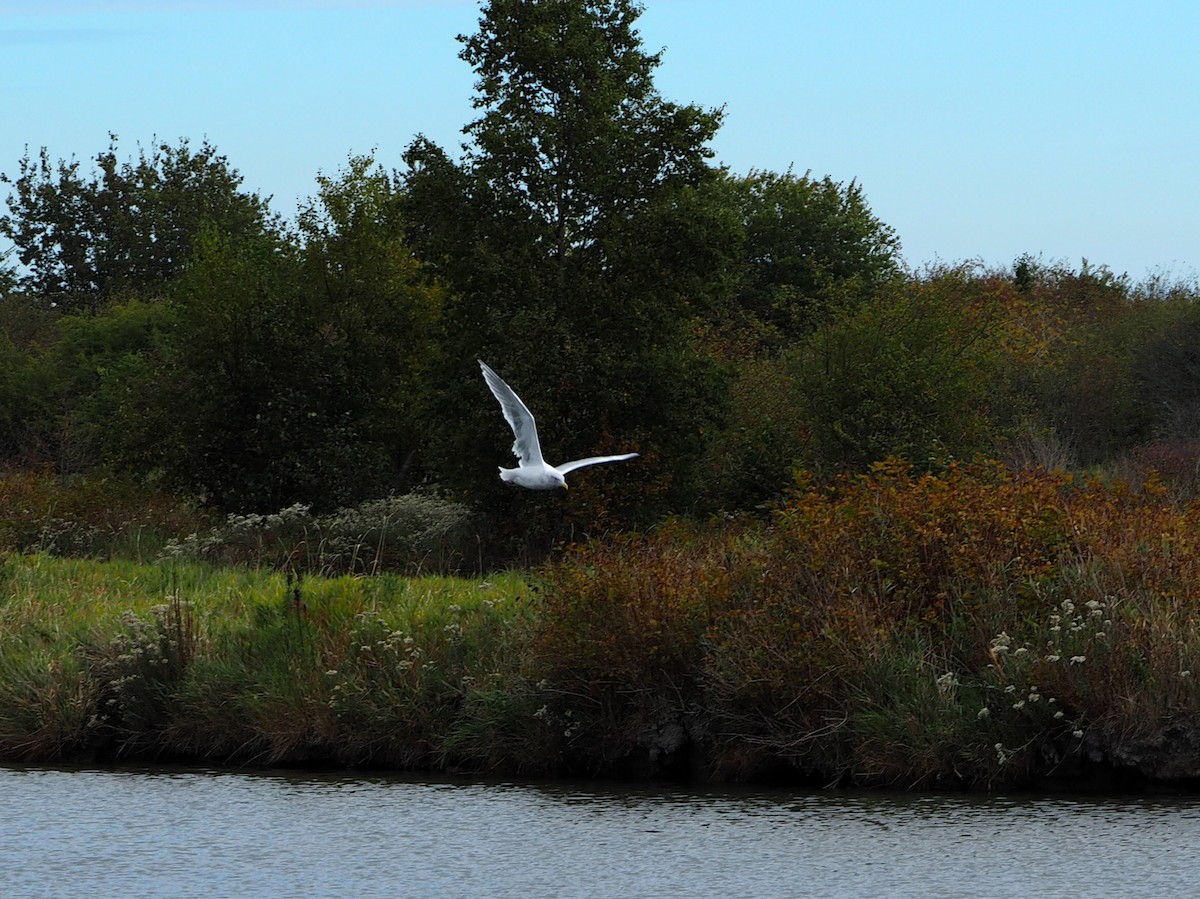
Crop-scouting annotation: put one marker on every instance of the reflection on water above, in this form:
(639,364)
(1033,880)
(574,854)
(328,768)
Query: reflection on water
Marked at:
(201,833)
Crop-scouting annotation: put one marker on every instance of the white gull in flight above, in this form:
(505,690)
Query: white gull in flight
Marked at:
(532,470)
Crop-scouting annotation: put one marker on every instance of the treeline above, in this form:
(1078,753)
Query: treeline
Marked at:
(164,326)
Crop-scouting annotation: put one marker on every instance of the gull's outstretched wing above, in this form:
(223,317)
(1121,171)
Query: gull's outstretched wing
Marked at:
(526,447)
(592,460)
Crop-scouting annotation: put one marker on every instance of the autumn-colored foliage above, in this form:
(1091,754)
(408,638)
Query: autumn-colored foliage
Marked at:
(974,625)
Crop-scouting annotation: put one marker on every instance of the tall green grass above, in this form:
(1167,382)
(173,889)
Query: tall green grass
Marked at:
(184,659)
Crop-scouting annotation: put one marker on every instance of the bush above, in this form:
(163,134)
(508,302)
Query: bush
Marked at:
(973,627)
(89,516)
(411,532)
(908,373)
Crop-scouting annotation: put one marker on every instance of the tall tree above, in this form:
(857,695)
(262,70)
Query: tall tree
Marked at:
(578,244)
(127,226)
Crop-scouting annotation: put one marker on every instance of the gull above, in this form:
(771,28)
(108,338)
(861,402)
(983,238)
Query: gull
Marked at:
(532,470)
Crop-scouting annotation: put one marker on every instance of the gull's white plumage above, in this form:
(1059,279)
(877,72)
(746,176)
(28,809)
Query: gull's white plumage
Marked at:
(532,470)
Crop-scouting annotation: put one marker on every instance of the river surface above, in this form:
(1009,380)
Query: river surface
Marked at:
(189,833)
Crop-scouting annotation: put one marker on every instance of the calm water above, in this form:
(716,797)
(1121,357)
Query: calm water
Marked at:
(214,834)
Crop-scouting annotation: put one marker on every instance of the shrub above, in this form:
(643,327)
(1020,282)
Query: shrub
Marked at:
(977,626)
(88,516)
(410,532)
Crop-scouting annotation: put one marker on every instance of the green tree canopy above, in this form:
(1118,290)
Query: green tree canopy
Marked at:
(282,371)
(909,373)
(806,242)
(88,238)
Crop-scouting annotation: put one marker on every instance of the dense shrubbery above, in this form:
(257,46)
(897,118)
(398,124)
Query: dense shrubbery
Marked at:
(972,627)
(411,533)
(95,516)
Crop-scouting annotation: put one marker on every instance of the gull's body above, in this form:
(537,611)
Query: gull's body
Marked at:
(532,470)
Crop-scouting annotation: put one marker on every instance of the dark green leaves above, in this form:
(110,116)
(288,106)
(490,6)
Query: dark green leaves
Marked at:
(87,238)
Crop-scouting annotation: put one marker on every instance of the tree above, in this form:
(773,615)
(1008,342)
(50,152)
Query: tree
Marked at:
(909,373)
(8,276)
(87,239)
(579,245)
(805,241)
(284,370)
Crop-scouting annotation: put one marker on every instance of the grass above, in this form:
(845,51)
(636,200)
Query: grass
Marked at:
(185,659)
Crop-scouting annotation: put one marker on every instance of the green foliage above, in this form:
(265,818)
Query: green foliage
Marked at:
(412,532)
(8,276)
(27,397)
(908,373)
(140,670)
(765,436)
(282,373)
(127,226)
(806,241)
(226,393)
(1165,369)
(102,517)
(11,391)
(89,376)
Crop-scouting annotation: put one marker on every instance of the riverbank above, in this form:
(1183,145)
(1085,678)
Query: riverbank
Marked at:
(978,629)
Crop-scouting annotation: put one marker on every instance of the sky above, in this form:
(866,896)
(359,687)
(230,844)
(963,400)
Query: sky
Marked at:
(979,131)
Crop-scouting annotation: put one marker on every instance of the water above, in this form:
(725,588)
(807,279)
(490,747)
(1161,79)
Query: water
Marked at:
(135,833)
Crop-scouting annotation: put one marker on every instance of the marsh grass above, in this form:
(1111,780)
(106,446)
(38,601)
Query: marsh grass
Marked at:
(249,665)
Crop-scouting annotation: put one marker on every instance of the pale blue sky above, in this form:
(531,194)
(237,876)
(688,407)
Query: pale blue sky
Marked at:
(979,130)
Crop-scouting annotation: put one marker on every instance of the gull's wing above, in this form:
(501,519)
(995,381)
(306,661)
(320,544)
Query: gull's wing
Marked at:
(526,447)
(592,460)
